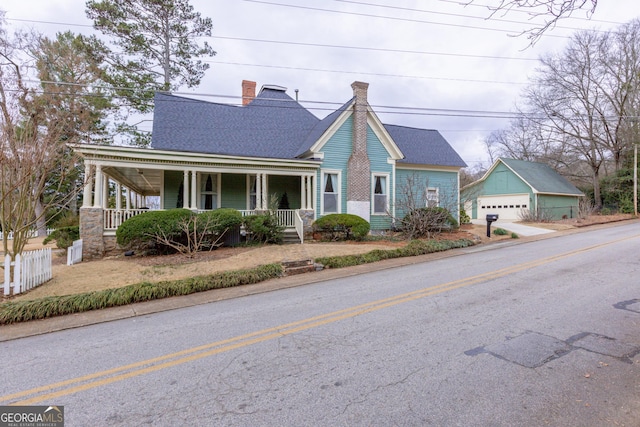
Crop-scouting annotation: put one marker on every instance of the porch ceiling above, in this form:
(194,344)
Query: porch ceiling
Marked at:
(143,181)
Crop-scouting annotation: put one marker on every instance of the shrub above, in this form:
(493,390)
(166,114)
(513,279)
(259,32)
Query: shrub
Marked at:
(500,232)
(141,231)
(464,217)
(422,222)
(414,248)
(341,227)
(263,228)
(222,219)
(514,236)
(218,222)
(21,311)
(63,236)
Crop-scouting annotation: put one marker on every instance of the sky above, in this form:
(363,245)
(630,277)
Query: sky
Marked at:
(433,64)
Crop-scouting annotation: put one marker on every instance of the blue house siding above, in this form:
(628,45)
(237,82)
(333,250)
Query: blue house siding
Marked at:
(503,181)
(445,182)
(378,157)
(336,155)
(558,207)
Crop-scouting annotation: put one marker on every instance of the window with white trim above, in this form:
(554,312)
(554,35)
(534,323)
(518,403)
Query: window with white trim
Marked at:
(209,191)
(433,198)
(330,192)
(380,193)
(253,200)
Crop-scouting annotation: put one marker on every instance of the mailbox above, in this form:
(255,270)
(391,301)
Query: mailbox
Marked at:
(490,218)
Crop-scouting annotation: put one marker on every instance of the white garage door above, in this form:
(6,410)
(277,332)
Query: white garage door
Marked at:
(507,207)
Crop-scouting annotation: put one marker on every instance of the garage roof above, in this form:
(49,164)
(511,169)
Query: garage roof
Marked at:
(541,177)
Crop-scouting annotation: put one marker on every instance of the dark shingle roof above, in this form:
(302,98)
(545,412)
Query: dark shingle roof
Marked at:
(541,177)
(424,146)
(273,125)
(321,128)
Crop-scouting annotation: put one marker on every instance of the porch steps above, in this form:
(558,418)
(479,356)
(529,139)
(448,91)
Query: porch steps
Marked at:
(290,236)
(298,267)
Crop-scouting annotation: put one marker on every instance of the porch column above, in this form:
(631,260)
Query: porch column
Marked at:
(258,191)
(105,192)
(264,192)
(97,197)
(118,195)
(88,186)
(185,190)
(194,187)
(127,195)
(309,198)
(303,192)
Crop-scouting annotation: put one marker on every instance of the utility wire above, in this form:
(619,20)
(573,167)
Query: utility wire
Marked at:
(375,49)
(364,73)
(459,15)
(419,21)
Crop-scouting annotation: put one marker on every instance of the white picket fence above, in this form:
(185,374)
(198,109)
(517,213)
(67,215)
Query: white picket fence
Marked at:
(32,234)
(74,253)
(31,269)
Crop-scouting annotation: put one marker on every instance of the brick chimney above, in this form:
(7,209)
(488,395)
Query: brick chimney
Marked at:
(358,167)
(248,91)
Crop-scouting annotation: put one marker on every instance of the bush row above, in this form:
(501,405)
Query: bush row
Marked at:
(414,248)
(21,311)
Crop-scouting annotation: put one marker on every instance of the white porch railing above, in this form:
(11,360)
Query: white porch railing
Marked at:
(74,253)
(113,218)
(31,269)
(299,226)
(286,217)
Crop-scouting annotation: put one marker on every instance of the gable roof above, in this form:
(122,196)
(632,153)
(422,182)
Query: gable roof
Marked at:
(539,176)
(255,130)
(273,125)
(424,146)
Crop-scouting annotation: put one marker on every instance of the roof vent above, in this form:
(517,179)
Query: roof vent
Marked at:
(274,87)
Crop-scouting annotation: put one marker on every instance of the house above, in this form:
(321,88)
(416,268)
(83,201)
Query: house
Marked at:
(269,152)
(513,188)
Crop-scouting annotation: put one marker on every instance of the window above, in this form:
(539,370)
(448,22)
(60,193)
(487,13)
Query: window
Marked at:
(380,192)
(330,192)
(209,191)
(253,200)
(432,197)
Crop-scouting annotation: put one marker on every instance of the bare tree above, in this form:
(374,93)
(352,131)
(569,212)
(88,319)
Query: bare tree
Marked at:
(550,11)
(34,127)
(423,211)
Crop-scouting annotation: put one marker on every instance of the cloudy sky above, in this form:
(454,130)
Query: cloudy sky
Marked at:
(435,64)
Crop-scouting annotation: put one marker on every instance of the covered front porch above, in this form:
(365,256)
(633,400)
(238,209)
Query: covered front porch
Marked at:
(121,182)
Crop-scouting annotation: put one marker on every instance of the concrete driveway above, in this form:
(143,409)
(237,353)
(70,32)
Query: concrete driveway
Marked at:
(519,229)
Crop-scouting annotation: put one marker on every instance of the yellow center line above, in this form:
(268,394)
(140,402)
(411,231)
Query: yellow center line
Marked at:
(109,376)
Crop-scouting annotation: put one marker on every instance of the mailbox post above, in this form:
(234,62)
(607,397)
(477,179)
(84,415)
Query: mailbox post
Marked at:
(490,218)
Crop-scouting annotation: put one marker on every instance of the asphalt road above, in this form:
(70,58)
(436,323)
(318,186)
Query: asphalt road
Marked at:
(532,334)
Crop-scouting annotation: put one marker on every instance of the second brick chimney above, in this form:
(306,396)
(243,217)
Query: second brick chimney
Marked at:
(358,167)
(248,91)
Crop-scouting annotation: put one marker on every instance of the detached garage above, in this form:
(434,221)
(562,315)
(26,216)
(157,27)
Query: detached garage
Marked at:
(511,188)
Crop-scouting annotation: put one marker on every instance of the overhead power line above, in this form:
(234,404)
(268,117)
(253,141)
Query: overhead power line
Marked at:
(375,49)
(364,73)
(393,18)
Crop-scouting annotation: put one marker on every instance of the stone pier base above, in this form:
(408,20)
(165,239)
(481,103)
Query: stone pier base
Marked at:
(91,232)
